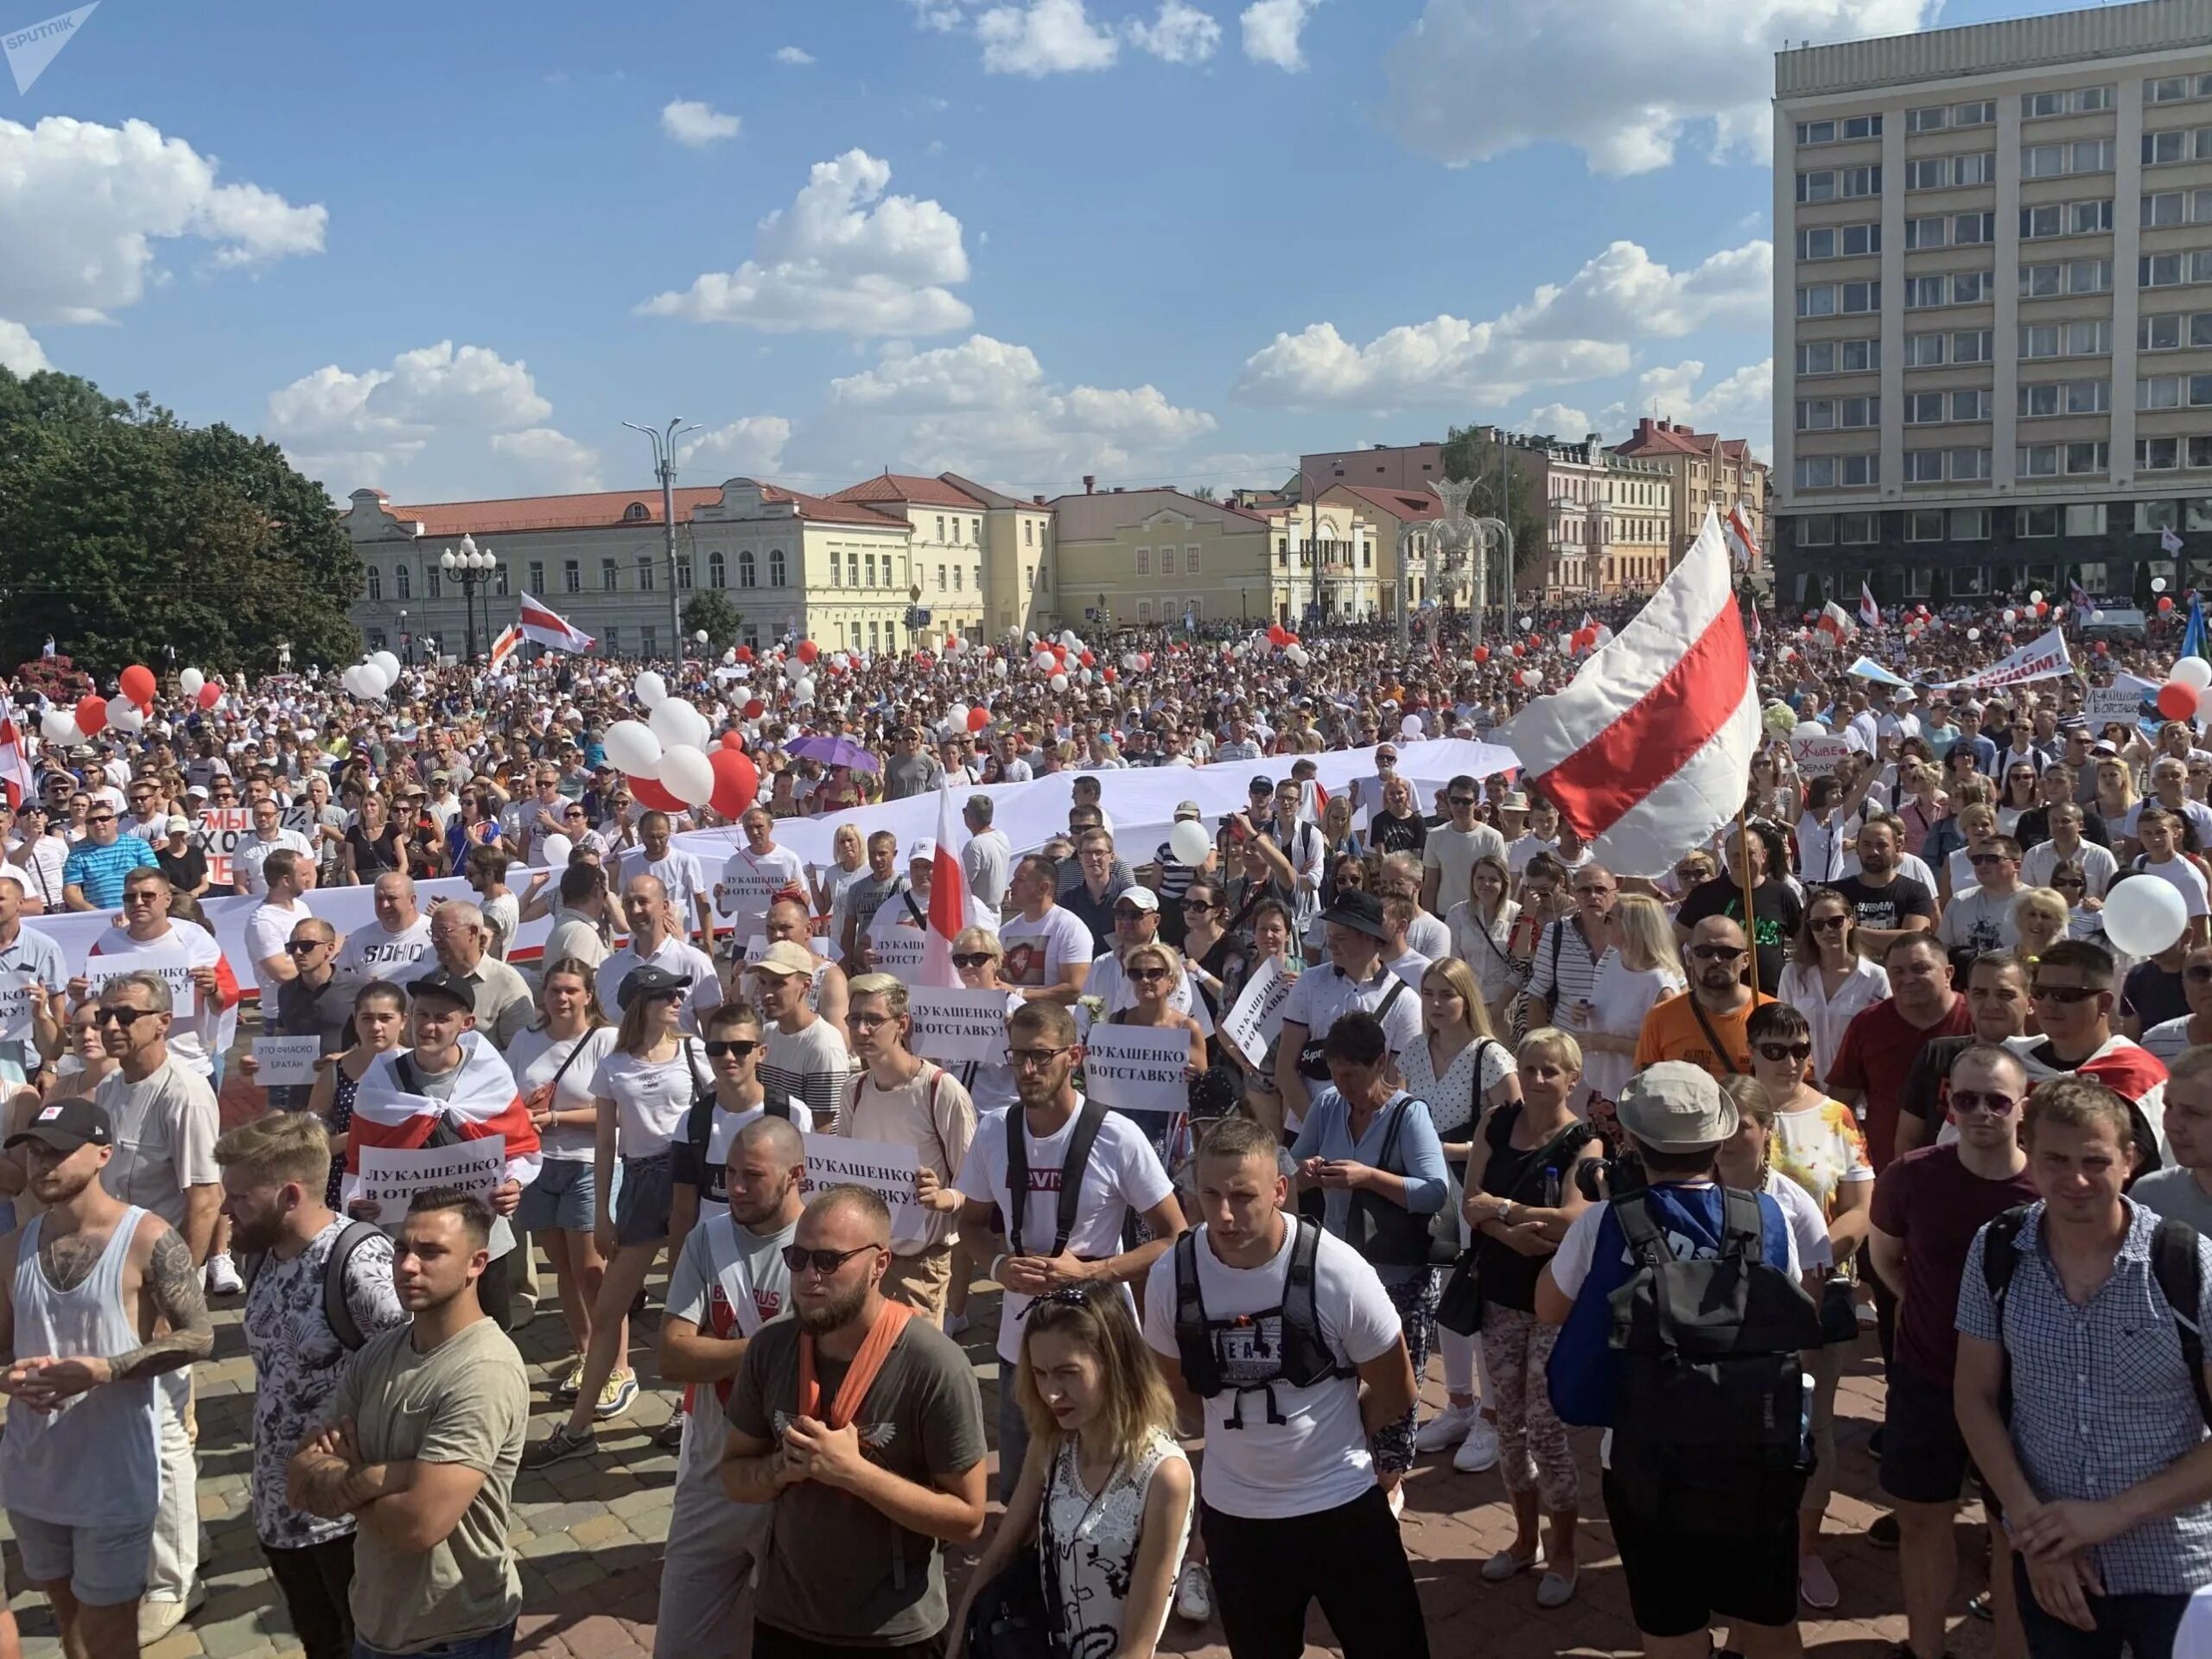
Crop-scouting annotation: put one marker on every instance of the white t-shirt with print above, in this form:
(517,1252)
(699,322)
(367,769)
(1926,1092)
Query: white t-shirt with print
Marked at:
(1037,952)
(651,1097)
(534,1058)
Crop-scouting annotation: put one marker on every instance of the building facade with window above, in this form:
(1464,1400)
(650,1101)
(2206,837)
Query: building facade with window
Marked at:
(983,560)
(1413,467)
(1610,515)
(1993,316)
(1148,558)
(1402,520)
(1339,540)
(1705,471)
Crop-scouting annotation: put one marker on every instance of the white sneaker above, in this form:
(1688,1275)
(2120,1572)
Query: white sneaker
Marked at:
(1448,1428)
(223,1276)
(1194,1593)
(1479,1451)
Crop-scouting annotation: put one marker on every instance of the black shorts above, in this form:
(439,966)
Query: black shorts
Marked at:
(1924,1458)
(641,1205)
(1679,1579)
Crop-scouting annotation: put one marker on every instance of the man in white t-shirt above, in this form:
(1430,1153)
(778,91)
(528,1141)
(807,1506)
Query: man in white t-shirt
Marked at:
(1448,856)
(681,876)
(987,861)
(288,876)
(389,950)
(657,941)
(2159,833)
(729,1280)
(1048,950)
(756,872)
(1120,1176)
(1284,1337)
(1353,976)
(252,851)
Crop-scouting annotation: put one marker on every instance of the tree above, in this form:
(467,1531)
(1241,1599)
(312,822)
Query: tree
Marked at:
(122,531)
(711,613)
(1200,492)
(1474,452)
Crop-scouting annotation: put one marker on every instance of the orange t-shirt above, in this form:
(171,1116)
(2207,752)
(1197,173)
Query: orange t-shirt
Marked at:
(1672,1032)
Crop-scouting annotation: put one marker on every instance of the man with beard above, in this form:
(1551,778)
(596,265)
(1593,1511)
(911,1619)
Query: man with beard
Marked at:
(862,1428)
(84,1289)
(1705,1024)
(323,1287)
(729,1280)
(1888,905)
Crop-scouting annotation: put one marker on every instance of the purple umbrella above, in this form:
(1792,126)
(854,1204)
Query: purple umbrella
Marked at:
(834,752)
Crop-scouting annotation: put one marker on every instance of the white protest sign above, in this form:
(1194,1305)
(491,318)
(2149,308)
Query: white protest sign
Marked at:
(1816,757)
(899,951)
(953,1027)
(391,1178)
(743,891)
(2121,701)
(172,965)
(15,1006)
(2039,659)
(285,1062)
(1137,1068)
(221,829)
(885,1168)
(1256,1019)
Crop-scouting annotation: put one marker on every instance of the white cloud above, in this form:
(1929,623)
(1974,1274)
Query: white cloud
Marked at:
(1738,405)
(1575,331)
(1271,31)
(85,203)
(1561,420)
(548,460)
(1044,37)
(843,257)
(985,408)
(796,55)
(696,125)
(19,353)
(1180,34)
(752,446)
(940,16)
(1476,79)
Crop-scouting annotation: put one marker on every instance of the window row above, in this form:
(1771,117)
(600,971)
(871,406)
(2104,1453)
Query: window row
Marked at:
(2046,397)
(1960,465)
(2090,337)
(1189,565)
(1943,408)
(1838,472)
(1975,523)
(1950,231)
(2177,144)
(2065,219)
(1959,346)
(1838,356)
(2062,160)
(1838,299)
(1846,130)
(2170,331)
(1951,172)
(1943,117)
(2065,276)
(1841,241)
(2070,100)
(1838,183)
(2174,391)
(2165,454)
(2083,457)
(2174,270)
(1947,288)
(1828,413)
(2177,207)
(2177,89)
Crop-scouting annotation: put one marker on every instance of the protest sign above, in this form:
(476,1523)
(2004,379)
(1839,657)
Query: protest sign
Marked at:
(1253,1023)
(171,964)
(221,829)
(953,1027)
(2039,659)
(898,951)
(743,893)
(391,1178)
(15,1006)
(2121,701)
(1138,1068)
(285,1062)
(1816,757)
(886,1168)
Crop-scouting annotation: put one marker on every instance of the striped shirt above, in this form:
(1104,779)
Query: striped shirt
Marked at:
(99,871)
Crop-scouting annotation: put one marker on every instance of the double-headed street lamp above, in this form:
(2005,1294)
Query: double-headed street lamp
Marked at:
(471,568)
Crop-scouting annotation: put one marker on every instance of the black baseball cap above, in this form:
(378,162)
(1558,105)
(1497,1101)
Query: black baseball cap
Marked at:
(439,983)
(649,981)
(65,1125)
(1359,909)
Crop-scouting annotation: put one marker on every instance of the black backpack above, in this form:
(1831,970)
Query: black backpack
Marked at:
(1709,1415)
(2174,1266)
(1237,1355)
(337,1311)
(692,1166)
(1072,1170)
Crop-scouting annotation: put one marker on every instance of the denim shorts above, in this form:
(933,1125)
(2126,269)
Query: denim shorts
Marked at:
(641,1203)
(103,1567)
(561,1197)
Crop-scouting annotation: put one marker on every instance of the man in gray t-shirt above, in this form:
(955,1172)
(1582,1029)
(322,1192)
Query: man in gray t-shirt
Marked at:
(912,769)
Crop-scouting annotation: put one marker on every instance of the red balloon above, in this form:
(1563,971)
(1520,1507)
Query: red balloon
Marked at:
(1519,652)
(745,653)
(2043,608)
(1086,659)
(1106,674)
(1277,635)
(737,780)
(733,739)
(138,686)
(2176,701)
(92,714)
(1482,653)
(654,794)
(808,651)
(210,695)
(978,718)
(755,708)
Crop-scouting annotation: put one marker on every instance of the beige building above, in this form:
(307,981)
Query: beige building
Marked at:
(983,560)
(1402,520)
(1992,317)
(1338,540)
(838,573)
(1142,558)
(1609,515)
(1411,466)
(1707,470)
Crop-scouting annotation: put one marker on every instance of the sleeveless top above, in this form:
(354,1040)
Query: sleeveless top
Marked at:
(93,1463)
(1094,1541)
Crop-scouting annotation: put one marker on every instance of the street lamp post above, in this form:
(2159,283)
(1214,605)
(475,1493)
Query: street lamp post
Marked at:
(472,568)
(406,645)
(663,443)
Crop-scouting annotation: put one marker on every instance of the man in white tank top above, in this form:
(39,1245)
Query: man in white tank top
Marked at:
(82,1289)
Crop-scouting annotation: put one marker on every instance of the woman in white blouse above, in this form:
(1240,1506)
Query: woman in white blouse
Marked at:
(1828,981)
(1639,968)
(1460,1069)
(1481,927)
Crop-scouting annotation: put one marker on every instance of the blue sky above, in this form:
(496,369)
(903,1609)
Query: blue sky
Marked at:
(448,249)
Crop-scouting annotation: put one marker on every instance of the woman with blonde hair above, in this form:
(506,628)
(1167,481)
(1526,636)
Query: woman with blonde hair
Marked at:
(1154,971)
(1481,924)
(1339,838)
(850,855)
(1640,966)
(976,955)
(2042,918)
(1105,1492)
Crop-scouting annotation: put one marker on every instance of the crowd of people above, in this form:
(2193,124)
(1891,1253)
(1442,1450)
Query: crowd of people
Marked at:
(1885,1066)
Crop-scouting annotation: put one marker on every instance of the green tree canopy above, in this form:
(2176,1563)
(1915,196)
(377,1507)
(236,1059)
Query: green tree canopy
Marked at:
(1474,452)
(122,530)
(709,612)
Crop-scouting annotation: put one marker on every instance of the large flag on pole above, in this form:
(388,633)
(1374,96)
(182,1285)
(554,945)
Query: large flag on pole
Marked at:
(539,623)
(506,645)
(1646,751)
(1742,544)
(948,897)
(15,764)
(1836,623)
(1869,614)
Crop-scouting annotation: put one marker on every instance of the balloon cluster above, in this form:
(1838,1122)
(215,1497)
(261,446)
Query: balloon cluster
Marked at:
(666,757)
(2187,694)
(370,678)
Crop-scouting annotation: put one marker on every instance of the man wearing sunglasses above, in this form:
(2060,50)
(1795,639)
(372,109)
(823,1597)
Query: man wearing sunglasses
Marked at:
(180,951)
(1451,848)
(289,877)
(1705,1024)
(2070,989)
(1980,918)
(734,1044)
(308,1003)
(1996,1003)
(93,878)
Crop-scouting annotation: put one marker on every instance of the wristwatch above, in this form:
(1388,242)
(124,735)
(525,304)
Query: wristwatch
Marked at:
(1505,1212)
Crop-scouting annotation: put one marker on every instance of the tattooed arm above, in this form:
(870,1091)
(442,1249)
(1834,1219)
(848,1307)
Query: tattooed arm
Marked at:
(171,1283)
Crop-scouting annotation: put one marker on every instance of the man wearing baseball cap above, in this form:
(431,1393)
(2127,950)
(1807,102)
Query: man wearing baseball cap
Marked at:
(1704,1512)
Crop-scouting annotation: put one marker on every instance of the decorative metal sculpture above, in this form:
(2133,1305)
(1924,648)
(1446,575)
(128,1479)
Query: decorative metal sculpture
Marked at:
(1462,549)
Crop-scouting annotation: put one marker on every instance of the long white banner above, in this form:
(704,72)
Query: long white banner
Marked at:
(2039,659)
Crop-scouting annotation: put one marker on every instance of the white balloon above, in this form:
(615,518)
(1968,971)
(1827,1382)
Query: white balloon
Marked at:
(1071,641)
(2194,672)
(998,668)
(1973,633)
(632,747)
(1059,682)
(687,772)
(1528,622)
(58,726)
(2143,918)
(390,663)
(1188,840)
(1297,655)
(803,693)
(650,689)
(2036,598)
(679,725)
(2157,586)
(1809,728)
(2011,617)
(125,716)
(955,718)
(1532,678)
(794,669)
(1044,662)
(190,681)
(1409,728)
(553,852)
(730,656)
(2204,704)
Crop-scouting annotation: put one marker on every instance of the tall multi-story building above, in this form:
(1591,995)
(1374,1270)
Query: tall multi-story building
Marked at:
(1707,471)
(1992,322)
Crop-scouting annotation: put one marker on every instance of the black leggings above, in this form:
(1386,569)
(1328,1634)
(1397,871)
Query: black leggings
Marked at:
(316,1579)
(1350,1559)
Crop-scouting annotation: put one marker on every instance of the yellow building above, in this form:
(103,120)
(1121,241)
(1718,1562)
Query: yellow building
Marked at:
(1707,470)
(1141,558)
(982,560)
(1340,532)
(1400,518)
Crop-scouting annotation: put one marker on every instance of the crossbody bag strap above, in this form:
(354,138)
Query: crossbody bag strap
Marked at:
(1725,1054)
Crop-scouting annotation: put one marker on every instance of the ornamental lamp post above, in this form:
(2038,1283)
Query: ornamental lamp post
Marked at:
(472,568)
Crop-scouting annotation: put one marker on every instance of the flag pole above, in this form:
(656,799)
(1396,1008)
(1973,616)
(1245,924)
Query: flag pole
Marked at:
(1744,878)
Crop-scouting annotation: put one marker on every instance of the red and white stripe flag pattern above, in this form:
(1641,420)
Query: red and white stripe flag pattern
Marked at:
(539,623)
(16,779)
(505,645)
(948,897)
(1646,750)
(1836,623)
(1742,546)
(485,1103)
(1869,614)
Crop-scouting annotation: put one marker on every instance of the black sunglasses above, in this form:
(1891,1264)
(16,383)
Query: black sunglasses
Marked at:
(1716,952)
(2062,993)
(970,958)
(799,1258)
(718,1048)
(1830,924)
(301,947)
(124,1017)
(1786,1051)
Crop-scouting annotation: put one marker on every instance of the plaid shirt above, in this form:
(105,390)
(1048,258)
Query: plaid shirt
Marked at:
(2101,1399)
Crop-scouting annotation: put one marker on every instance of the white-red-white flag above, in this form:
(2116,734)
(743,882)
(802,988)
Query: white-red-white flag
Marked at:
(1647,749)
(15,778)
(1836,623)
(1869,614)
(948,897)
(1742,546)
(538,622)
(505,645)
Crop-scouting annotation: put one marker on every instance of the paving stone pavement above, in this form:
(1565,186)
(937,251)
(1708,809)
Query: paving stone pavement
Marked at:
(588,1534)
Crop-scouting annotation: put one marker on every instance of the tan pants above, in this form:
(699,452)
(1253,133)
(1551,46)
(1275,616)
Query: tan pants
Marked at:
(921,1282)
